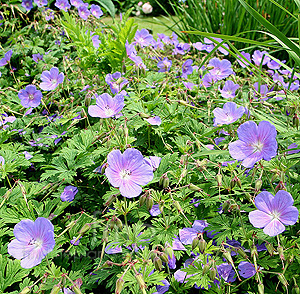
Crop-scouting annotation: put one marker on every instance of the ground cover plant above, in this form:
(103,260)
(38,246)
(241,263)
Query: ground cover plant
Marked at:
(132,163)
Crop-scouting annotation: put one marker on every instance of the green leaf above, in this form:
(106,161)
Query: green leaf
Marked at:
(109,6)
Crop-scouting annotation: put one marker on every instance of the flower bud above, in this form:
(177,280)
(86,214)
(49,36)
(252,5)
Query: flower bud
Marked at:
(107,264)
(87,99)
(144,115)
(169,251)
(212,274)
(166,182)
(296,121)
(55,289)
(77,290)
(241,252)
(149,202)
(202,245)
(119,285)
(296,289)
(232,183)
(261,288)
(195,243)
(258,184)
(280,252)
(183,159)
(164,257)
(26,290)
(238,182)
(142,200)
(110,200)
(177,205)
(112,223)
(140,281)
(85,228)
(227,256)
(82,113)
(283,280)
(253,251)
(201,165)
(270,248)
(193,187)
(119,223)
(205,269)
(226,205)
(157,263)
(105,236)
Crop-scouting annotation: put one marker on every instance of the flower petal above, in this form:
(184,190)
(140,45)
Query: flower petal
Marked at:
(24,230)
(289,216)
(247,132)
(259,219)
(130,189)
(282,201)
(264,202)
(19,249)
(274,228)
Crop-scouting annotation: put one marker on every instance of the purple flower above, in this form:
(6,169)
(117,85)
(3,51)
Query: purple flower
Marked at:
(229,89)
(255,143)
(228,115)
(258,56)
(221,68)
(69,193)
(246,269)
(130,49)
(155,211)
(106,106)
(7,56)
(208,80)
(199,46)
(293,146)
(51,79)
(162,289)
(48,14)
(177,245)
(76,3)
(96,11)
(182,48)
(30,96)
(164,65)
(273,212)
(41,3)
(187,68)
(96,41)
(153,161)
(225,271)
(27,4)
(62,5)
(75,241)
(263,90)
(83,11)
(143,38)
(116,82)
(2,161)
(187,235)
(154,120)
(137,61)
(241,61)
(272,64)
(34,240)
(37,57)
(110,249)
(128,171)
(27,155)
(221,49)
(190,86)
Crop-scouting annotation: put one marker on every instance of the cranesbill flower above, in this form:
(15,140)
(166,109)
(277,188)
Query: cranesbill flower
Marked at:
(164,65)
(48,14)
(62,5)
(143,38)
(155,211)
(109,249)
(229,89)
(246,269)
(229,114)
(154,120)
(27,4)
(273,213)
(6,58)
(2,161)
(96,11)
(187,235)
(262,90)
(181,48)
(106,106)
(260,56)
(293,146)
(187,68)
(34,240)
(162,289)
(130,49)
(128,171)
(208,80)
(37,57)
(69,193)
(41,3)
(30,96)
(51,79)
(83,11)
(255,143)
(76,3)
(116,82)
(242,62)
(137,61)
(221,68)
(96,41)
(221,49)
(153,161)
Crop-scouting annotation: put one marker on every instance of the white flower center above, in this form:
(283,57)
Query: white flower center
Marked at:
(125,174)
(108,111)
(258,146)
(275,214)
(54,81)
(37,243)
(31,97)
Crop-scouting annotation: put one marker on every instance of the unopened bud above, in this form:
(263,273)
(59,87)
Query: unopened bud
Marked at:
(261,288)
(219,179)
(212,274)
(232,184)
(283,280)
(55,289)
(119,286)
(87,99)
(110,200)
(241,252)
(195,243)
(166,182)
(177,205)
(193,187)
(140,281)
(296,289)
(169,251)
(258,184)
(119,224)
(144,115)
(280,252)
(142,200)
(226,206)
(227,256)
(296,121)
(105,236)
(157,263)
(238,182)
(164,257)
(112,223)
(85,229)
(26,290)
(82,113)
(253,251)
(270,248)
(149,202)
(184,173)
(107,264)
(77,290)
(205,269)
(202,245)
